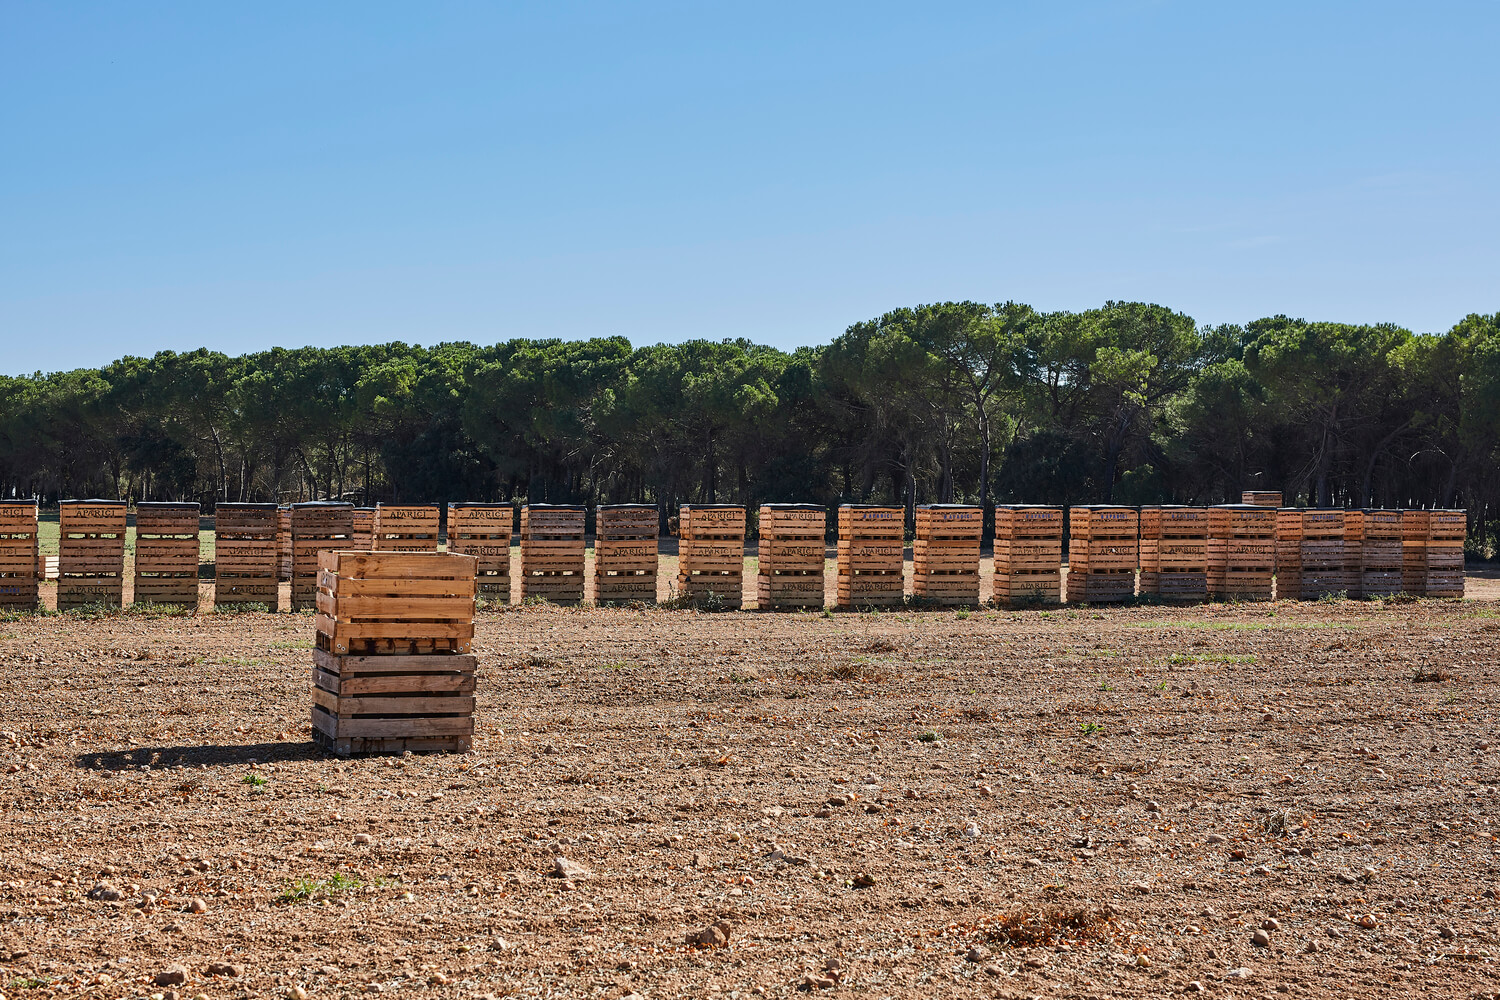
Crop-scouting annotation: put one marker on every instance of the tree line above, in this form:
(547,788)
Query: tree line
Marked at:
(950,402)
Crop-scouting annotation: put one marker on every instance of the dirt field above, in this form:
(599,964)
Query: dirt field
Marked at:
(1069,803)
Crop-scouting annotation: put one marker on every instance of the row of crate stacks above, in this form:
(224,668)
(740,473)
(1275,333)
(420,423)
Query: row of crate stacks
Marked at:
(1252,550)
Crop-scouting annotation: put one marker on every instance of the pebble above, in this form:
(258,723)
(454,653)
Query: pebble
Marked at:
(1367,921)
(297,993)
(1140,887)
(1260,939)
(172,975)
(363,838)
(864,880)
(565,869)
(1271,924)
(197,905)
(993,970)
(838,800)
(1240,973)
(224,969)
(1153,806)
(713,936)
(105,893)
(1144,961)
(437,979)
(1036,961)
(978,953)
(1195,987)
(1447,933)
(1214,838)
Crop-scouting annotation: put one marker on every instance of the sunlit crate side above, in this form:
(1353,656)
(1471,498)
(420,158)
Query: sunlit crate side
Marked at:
(711,553)
(1103,553)
(166,553)
(284,543)
(871,552)
(1322,552)
(1354,541)
(1261,498)
(91,553)
(316,527)
(406,528)
(1028,587)
(1028,554)
(552,552)
(483,530)
(626,552)
(945,553)
(1289,554)
(363,537)
(1150,550)
(246,555)
(1380,554)
(1447,531)
(402,603)
(393,703)
(1243,551)
(791,555)
(19,562)
(1028,521)
(1414,526)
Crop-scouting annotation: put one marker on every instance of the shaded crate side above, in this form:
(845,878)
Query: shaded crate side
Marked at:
(791,555)
(392,703)
(91,553)
(394,602)
(284,543)
(871,553)
(1414,552)
(626,552)
(19,563)
(246,556)
(1354,539)
(316,527)
(552,552)
(362,539)
(1261,498)
(406,528)
(166,553)
(1322,553)
(1245,534)
(1288,554)
(483,530)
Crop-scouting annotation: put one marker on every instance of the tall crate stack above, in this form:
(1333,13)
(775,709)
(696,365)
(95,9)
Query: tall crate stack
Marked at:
(1150,551)
(1261,498)
(406,529)
(483,530)
(19,566)
(166,553)
(392,664)
(91,553)
(945,553)
(1103,553)
(1248,537)
(363,538)
(1183,554)
(1288,554)
(245,555)
(1446,531)
(1381,554)
(552,547)
(790,555)
(711,554)
(871,556)
(284,543)
(1322,553)
(625,552)
(1414,525)
(1354,547)
(318,526)
(1028,554)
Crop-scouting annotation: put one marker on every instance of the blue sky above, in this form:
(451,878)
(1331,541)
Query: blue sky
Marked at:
(247,175)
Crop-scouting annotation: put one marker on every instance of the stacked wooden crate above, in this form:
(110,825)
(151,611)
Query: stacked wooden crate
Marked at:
(1322,552)
(552,545)
(245,555)
(625,552)
(1414,525)
(1288,554)
(945,554)
(871,556)
(363,538)
(1103,553)
(1028,554)
(166,553)
(91,553)
(711,554)
(284,543)
(392,666)
(1446,532)
(1150,550)
(406,528)
(1261,498)
(19,563)
(483,530)
(790,555)
(319,526)
(1247,537)
(1354,544)
(1183,554)
(1380,574)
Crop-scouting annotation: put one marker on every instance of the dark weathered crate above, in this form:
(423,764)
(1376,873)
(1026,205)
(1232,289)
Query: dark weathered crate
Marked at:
(626,552)
(401,528)
(711,554)
(284,543)
(1261,498)
(316,527)
(483,530)
(871,556)
(790,555)
(945,554)
(91,553)
(552,552)
(166,553)
(19,564)
(246,556)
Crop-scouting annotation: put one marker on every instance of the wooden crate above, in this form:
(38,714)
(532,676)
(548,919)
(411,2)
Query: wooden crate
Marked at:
(1243,561)
(363,538)
(483,530)
(1261,498)
(1103,553)
(1380,554)
(392,667)
(406,528)
(626,552)
(317,527)
(91,553)
(1182,553)
(945,554)
(552,545)
(1149,556)
(790,557)
(711,554)
(1354,543)
(1322,552)
(1028,554)
(1289,554)
(871,556)
(246,556)
(284,543)
(166,553)
(1414,524)
(1446,533)
(20,566)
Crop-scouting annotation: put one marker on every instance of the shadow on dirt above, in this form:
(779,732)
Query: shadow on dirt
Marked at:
(237,756)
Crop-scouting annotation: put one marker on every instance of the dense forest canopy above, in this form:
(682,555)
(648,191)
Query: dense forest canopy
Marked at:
(957,401)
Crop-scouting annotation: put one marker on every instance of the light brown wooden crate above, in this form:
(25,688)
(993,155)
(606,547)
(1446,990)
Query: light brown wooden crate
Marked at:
(406,528)
(388,600)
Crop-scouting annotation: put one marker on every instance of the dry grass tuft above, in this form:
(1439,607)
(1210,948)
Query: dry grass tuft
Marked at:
(1052,925)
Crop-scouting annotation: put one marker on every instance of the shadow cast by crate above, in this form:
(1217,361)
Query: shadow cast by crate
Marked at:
(231,756)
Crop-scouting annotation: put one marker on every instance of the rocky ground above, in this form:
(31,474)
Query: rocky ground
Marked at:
(1232,800)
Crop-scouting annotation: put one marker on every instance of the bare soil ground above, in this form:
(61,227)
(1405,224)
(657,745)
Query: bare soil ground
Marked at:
(1076,802)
